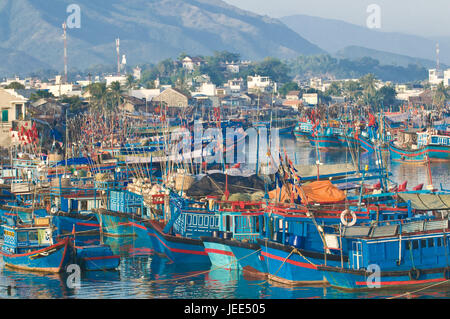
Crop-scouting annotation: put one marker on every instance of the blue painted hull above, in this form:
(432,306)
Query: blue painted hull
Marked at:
(300,135)
(177,249)
(435,153)
(292,268)
(359,280)
(52,259)
(121,225)
(221,255)
(325,142)
(99,257)
(82,224)
(250,258)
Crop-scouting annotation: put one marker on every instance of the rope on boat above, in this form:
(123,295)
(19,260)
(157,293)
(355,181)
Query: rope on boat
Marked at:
(418,290)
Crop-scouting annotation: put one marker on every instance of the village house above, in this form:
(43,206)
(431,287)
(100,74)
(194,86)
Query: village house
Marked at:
(172,97)
(190,63)
(259,83)
(235,86)
(13,107)
(293,96)
(132,104)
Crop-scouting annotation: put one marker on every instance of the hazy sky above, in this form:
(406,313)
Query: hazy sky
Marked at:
(427,18)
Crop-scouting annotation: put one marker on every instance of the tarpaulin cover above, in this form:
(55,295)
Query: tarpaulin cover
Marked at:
(214,185)
(315,192)
(427,201)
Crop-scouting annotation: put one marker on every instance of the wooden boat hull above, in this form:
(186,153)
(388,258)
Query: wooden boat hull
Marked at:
(349,279)
(98,257)
(249,257)
(118,224)
(220,254)
(325,142)
(52,259)
(82,223)
(433,153)
(287,266)
(177,249)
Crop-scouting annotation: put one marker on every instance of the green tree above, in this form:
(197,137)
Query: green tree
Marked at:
(15,86)
(386,96)
(116,93)
(287,87)
(99,96)
(41,94)
(441,95)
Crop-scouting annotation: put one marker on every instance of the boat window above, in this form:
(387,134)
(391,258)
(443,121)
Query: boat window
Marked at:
(206,221)
(189,217)
(439,241)
(32,236)
(407,244)
(22,237)
(200,220)
(415,244)
(194,220)
(423,243)
(84,205)
(430,242)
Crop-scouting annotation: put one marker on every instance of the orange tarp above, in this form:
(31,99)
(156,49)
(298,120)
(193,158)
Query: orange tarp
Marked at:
(315,192)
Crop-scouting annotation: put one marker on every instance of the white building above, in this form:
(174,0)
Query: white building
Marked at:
(310,98)
(122,79)
(447,77)
(435,76)
(207,89)
(147,94)
(235,86)
(232,67)
(261,83)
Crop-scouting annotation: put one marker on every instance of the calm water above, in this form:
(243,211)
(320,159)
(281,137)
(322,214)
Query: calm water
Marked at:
(144,275)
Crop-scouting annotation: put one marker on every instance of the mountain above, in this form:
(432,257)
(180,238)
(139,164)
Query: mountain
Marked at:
(385,58)
(335,35)
(150,30)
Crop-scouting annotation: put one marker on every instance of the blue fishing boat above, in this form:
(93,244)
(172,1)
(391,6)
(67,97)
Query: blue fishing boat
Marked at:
(420,147)
(177,235)
(32,247)
(239,222)
(123,216)
(96,257)
(303,130)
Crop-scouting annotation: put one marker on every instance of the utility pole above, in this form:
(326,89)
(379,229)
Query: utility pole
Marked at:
(118,55)
(64,26)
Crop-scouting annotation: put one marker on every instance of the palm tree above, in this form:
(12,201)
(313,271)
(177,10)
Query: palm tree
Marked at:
(441,95)
(116,93)
(130,82)
(99,95)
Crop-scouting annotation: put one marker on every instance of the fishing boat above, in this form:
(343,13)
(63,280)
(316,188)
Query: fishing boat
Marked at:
(420,147)
(31,247)
(239,222)
(303,130)
(177,234)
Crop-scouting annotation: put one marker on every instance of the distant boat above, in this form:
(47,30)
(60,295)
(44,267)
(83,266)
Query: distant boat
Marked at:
(420,147)
(303,130)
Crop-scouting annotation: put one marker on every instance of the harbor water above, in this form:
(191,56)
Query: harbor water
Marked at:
(142,274)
